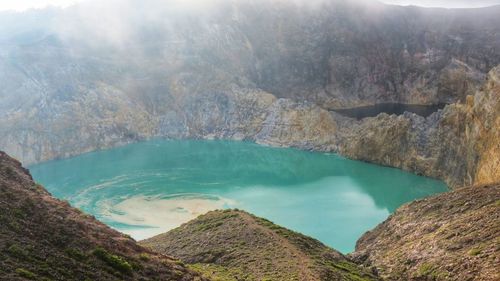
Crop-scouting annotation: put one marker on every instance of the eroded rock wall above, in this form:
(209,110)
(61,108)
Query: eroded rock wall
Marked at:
(458,144)
(266,72)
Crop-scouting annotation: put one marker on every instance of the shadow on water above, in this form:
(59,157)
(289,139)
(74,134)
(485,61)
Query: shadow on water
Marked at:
(389,108)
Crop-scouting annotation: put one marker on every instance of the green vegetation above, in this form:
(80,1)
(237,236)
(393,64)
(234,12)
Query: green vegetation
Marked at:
(245,247)
(179,262)
(9,171)
(18,252)
(220,273)
(352,271)
(38,187)
(475,251)
(267,223)
(430,271)
(210,223)
(144,257)
(425,269)
(76,254)
(25,273)
(114,261)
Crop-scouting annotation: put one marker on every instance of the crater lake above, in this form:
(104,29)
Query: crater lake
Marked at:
(147,188)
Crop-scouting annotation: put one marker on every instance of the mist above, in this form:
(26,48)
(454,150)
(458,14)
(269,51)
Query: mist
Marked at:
(141,48)
(22,5)
(445,3)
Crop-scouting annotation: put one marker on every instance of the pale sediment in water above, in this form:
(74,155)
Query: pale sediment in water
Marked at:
(142,217)
(147,188)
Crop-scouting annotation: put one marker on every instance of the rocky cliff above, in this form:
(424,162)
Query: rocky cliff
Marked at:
(235,245)
(263,71)
(459,144)
(453,236)
(42,238)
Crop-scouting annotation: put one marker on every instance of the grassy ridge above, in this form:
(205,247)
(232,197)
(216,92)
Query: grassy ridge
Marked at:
(235,245)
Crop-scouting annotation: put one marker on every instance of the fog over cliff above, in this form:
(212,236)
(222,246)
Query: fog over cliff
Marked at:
(22,5)
(104,73)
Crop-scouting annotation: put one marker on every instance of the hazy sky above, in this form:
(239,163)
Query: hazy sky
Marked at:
(20,5)
(445,3)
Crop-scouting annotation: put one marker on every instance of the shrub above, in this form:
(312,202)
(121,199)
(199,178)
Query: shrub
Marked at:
(114,261)
(425,269)
(25,273)
(475,251)
(17,251)
(76,254)
(9,171)
(144,257)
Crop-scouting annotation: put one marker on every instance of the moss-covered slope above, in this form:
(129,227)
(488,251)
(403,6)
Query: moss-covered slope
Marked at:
(235,245)
(42,238)
(453,236)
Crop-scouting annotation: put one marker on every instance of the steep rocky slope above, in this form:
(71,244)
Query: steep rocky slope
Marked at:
(453,236)
(460,144)
(265,71)
(42,238)
(235,245)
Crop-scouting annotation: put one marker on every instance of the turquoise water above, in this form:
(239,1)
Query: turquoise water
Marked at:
(147,188)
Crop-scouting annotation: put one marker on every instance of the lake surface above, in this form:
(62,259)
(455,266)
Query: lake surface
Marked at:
(148,188)
(389,108)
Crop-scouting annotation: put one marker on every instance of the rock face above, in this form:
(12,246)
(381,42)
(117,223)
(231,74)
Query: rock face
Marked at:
(459,144)
(266,71)
(236,114)
(453,236)
(235,245)
(42,238)
(301,125)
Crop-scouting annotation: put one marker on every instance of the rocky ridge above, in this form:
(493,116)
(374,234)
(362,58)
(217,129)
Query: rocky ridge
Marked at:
(43,238)
(458,144)
(235,245)
(435,146)
(453,236)
(245,73)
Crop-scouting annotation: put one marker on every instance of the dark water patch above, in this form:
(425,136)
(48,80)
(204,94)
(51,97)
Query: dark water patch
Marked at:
(389,108)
